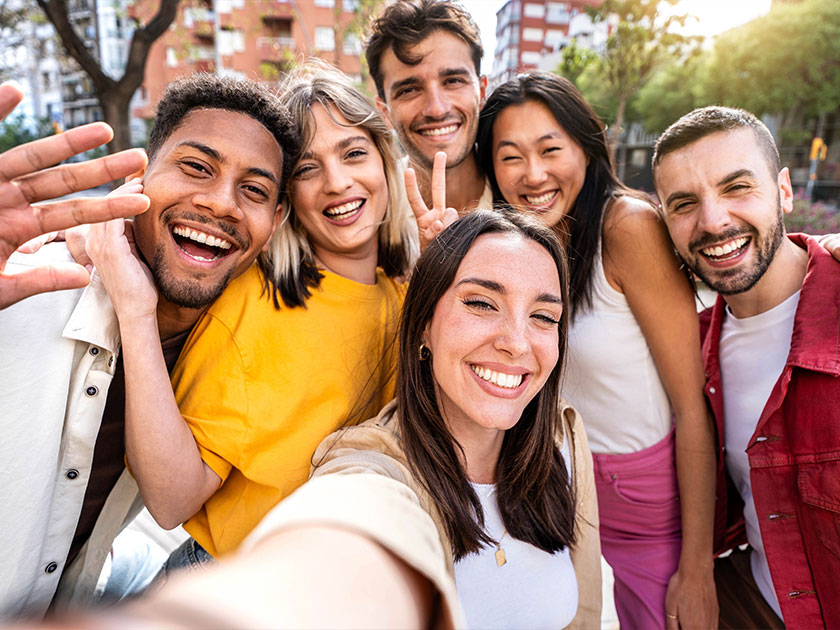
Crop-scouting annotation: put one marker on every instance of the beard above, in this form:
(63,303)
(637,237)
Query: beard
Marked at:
(192,293)
(742,278)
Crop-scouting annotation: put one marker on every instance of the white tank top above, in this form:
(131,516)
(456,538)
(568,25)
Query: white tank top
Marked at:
(610,375)
(532,589)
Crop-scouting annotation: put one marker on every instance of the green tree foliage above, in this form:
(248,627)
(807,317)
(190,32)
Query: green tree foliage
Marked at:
(574,62)
(786,62)
(674,89)
(17,130)
(641,39)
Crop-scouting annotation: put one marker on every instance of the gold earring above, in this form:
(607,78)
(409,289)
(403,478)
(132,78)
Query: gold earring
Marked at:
(424,352)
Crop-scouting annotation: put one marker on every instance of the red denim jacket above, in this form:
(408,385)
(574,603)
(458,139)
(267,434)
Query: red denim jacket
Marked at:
(794,453)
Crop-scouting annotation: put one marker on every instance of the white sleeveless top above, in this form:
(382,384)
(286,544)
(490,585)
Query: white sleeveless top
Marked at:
(532,589)
(610,375)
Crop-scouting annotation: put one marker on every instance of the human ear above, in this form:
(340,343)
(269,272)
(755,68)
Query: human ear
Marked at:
(785,191)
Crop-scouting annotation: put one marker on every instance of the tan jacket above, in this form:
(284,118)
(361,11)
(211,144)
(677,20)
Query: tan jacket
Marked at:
(361,481)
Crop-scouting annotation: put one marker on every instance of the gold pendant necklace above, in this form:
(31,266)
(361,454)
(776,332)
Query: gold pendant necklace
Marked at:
(500,553)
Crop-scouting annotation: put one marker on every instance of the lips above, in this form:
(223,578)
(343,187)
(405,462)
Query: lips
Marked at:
(541,200)
(345,211)
(499,380)
(725,251)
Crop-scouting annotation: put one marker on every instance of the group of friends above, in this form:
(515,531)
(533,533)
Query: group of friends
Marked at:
(539,385)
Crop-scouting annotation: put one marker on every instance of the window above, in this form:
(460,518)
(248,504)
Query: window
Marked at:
(555,39)
(534,10)
(350,5)
(171,57)
(558,13)
(532,34)
(352,44)
(324,38)
(325,3)
(530,58)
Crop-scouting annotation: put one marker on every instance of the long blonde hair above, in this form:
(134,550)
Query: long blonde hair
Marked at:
(289,262)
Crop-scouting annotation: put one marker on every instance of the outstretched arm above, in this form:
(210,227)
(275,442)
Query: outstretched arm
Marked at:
(173,479)
(640,258)
(25,178)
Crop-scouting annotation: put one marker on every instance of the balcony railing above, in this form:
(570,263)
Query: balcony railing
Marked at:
(273,47)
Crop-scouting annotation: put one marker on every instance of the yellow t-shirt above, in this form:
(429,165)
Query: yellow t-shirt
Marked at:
(260,388)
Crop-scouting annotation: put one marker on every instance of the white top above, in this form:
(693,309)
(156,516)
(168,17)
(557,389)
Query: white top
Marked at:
(753,353)
(59,354)
(533,589)
(610,377)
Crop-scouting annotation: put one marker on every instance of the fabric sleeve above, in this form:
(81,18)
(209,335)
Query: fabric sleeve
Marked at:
(375,506)
(586,553)
(210,388)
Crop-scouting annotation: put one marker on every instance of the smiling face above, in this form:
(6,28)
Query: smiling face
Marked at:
(494,335)
(723,208)
(213,204)
(339,191)
(434,105)
(537,164)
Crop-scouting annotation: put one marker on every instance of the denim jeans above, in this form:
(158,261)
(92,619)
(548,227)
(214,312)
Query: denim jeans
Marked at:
(190,556)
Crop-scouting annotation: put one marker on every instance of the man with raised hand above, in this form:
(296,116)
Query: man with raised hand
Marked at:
(772,361)
(425,59)
(214,204)
(26,178)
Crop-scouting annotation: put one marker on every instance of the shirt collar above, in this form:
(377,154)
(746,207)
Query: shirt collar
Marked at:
(94,320)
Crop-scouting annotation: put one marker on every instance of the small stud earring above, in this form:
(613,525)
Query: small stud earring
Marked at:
(424,352)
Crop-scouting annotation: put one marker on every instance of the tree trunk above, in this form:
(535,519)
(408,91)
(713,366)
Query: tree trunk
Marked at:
(615,130)
(116,112)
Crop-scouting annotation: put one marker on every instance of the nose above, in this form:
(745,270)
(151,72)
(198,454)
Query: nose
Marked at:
(712,216)
(337,178)
(219,198)
(535,173)
(436,103)
(512,337)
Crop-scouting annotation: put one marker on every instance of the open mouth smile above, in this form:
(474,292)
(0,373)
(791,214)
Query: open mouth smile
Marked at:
(199,245)
(439,131)
(344,212)
(723,252)
(542,200)
(499,379)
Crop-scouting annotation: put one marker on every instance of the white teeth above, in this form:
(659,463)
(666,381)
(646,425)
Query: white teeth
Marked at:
(541,200)
(727,248)
(201,237)
(508,381)
(440,131)
(345,208)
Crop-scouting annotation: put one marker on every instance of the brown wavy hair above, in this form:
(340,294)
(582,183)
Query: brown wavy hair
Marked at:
(535,495)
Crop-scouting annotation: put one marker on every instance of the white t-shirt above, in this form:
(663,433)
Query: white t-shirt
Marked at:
(753,353)
(533,589)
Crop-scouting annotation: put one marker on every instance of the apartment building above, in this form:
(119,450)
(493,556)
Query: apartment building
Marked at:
(530,33)
(258,39)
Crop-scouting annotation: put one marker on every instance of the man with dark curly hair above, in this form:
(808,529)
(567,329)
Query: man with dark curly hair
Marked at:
(220,153)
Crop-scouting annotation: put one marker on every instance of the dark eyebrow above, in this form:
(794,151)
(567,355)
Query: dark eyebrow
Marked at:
(454,72)
(203,148)
(554,135)
(396,86)
(414,80)
(744,172)
(498,288)
(261,172)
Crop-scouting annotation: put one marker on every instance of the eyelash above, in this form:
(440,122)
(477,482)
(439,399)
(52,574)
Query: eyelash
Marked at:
(486,306)
(194,165)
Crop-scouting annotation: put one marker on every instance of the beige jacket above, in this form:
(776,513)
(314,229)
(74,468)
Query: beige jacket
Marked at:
(361,481)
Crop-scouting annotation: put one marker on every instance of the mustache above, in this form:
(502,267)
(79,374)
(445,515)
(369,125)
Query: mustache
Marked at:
(707,239)
(426,120)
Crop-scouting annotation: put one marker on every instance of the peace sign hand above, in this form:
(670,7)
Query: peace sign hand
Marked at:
(430,221)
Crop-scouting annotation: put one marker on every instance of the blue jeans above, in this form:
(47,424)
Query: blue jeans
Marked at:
(190,556)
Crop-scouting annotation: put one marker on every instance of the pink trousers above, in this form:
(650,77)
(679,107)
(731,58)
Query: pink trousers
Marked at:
(639,511)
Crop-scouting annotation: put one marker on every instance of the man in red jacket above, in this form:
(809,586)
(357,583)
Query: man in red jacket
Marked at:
(772,353)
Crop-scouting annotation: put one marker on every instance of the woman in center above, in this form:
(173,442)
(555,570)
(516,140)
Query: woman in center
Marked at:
(478,471)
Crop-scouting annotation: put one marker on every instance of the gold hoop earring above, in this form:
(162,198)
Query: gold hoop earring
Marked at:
(424,353)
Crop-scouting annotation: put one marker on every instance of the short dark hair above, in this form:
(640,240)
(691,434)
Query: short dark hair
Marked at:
(405,23)
(535,494)
(600,184)
(208,91)
(705,121)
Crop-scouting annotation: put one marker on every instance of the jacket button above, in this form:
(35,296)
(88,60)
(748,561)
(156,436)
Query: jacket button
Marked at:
(94,351)
(712,390)
(72,473)
(91,391)
(51,567)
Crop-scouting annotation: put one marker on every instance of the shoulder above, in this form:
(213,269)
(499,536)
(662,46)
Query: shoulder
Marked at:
(630,214)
